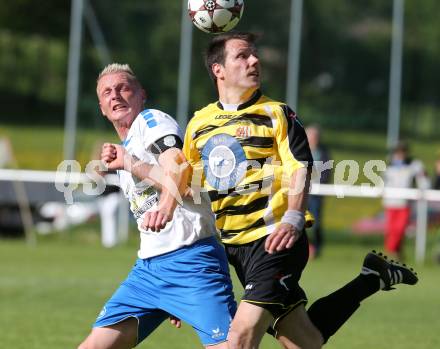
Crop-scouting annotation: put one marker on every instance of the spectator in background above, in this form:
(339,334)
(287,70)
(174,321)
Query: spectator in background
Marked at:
(315,202)
(402,172)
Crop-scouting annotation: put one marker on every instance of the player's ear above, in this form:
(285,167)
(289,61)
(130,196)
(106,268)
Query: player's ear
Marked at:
(217,70)
(102,111)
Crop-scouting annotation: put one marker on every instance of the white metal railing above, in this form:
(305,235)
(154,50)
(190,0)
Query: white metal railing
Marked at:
(422,196)
(51,177)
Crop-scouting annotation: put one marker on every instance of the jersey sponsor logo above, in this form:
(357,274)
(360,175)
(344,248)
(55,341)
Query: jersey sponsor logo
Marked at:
(224,161)
(224,117)
(221,161)
(144,206)
(142,199)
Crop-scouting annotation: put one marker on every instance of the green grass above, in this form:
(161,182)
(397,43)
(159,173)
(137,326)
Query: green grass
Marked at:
(50,294)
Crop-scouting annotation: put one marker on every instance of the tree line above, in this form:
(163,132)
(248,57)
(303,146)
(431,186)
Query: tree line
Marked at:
(344,68)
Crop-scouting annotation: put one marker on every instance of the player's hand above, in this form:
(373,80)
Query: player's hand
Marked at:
(157,218)
(175,321)
(282,238)
(113,156)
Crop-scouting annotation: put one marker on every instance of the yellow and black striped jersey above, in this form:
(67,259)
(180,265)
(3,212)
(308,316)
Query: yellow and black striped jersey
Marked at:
(245,159)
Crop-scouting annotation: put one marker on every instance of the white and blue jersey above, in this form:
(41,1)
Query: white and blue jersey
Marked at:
(181,270)
(191,221)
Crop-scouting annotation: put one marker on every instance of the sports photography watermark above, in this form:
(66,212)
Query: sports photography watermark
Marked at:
(223,175)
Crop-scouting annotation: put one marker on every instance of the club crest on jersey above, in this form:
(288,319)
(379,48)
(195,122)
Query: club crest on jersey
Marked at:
(243,132)
(224,161)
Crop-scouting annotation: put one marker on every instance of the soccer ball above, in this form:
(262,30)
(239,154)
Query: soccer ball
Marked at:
(215,16)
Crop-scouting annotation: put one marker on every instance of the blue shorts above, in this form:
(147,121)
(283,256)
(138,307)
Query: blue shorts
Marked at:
(191,283)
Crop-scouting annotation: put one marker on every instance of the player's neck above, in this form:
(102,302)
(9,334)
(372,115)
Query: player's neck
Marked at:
(122,130)
(232,96)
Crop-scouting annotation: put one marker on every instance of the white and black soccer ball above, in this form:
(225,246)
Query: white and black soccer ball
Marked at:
(215,16)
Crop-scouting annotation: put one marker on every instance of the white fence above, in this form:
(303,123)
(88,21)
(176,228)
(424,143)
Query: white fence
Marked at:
(421,196)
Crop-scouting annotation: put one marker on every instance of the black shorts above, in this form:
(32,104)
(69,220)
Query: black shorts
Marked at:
(271,281)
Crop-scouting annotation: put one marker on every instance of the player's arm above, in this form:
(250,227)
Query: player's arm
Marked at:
(297,161)
(115,157)
(176,172)
(170,177)
(192,155)
(292,223)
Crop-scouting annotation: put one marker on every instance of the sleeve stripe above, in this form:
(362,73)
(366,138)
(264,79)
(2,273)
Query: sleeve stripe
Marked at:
(296,135)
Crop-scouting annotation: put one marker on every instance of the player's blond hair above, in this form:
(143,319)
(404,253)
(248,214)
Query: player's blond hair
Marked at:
(117,68)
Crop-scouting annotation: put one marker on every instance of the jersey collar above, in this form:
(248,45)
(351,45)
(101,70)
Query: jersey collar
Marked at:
(254,98)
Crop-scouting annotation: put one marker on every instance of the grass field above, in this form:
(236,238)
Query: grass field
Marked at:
(50,294)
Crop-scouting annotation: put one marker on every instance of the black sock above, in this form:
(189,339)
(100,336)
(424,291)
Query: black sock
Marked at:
(329,313)
(365,285)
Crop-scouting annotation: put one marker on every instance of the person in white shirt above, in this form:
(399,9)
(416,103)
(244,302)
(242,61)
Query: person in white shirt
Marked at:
(181,269)
(402,172)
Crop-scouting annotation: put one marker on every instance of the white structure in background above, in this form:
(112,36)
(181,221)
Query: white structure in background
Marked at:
(5,152)
(422,196)
(112,208)
(395,87)
(114,215)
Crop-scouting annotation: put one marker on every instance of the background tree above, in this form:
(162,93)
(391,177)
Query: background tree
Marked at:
(344,69)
